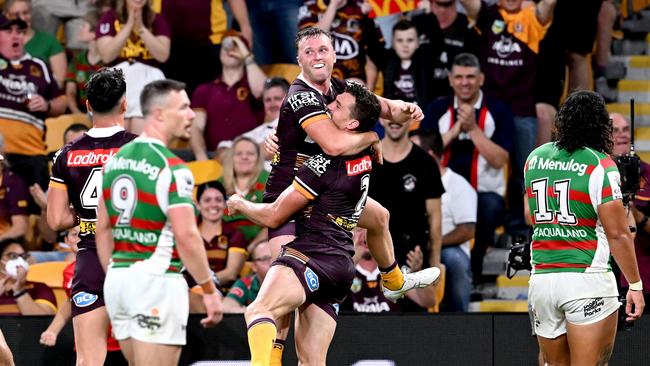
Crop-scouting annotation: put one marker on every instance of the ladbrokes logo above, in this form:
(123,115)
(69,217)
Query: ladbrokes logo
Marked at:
(96,157)
(359,166)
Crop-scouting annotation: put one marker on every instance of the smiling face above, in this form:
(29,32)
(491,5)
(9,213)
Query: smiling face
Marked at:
(272,99)
(211,205)
(178,115)
(244,157)
(12,43)
(316,58)
(466,82)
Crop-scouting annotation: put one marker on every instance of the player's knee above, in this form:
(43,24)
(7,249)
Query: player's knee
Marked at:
(382,217)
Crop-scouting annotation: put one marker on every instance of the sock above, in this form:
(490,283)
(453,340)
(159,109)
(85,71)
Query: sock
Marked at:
(392,277)
(261,334)
(276,352)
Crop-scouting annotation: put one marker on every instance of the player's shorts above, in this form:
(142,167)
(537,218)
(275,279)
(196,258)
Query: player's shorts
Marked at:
(326,279)
(87,292)
(577,298)
(137,75)
(147,307)
(288,228)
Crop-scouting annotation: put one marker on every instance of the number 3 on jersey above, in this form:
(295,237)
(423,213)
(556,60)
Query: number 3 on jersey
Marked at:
(123,199)
(543,214)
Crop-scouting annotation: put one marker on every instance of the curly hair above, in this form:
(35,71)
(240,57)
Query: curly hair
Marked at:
(583,121)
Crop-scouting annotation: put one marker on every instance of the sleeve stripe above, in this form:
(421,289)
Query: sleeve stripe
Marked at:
(301,187)
(57,179)
(58,185)
(46,302)
(238,250)
(313,117)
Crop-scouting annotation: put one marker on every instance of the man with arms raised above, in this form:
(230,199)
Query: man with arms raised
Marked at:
(147,202)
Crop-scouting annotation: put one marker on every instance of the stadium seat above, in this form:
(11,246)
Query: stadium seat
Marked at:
(204,170)
(440,292)
(287,71)
(55,127)
(51,274)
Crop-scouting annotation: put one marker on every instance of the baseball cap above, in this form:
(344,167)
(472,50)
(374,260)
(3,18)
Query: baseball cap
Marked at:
(6,23)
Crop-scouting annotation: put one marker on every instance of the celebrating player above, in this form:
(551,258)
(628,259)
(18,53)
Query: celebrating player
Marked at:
(76,180)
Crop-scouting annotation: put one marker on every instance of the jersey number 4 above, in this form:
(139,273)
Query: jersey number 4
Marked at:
(543,213)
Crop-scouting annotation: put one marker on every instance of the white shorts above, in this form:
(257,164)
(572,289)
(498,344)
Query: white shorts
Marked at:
(137,75)
(577,298)
(149,308)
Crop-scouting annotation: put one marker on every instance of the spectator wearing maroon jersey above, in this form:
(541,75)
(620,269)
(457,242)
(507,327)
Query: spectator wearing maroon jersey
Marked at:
(230,105)
(13,202)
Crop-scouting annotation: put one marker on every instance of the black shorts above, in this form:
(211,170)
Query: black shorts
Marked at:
(87,283)
(325,278)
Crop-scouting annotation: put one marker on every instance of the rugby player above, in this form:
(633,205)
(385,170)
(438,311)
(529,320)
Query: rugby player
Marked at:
(314,272)
(76,180)
(575,202)
(146,226)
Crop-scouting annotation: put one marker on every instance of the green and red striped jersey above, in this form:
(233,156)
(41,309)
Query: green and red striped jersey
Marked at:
(564,190)
(140,184)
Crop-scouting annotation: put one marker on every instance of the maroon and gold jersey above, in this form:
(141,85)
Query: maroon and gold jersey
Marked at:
(338,188)
(302,106)
(219,247)
(13,198)
(40,292)
(366,293)
(24,131)
(355,37)
(77,168)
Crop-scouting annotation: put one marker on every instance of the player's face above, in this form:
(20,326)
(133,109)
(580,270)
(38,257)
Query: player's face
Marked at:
(341,110)
(511,6)
(263,260)
(12,42)
(395,131)
(272,99)
(405,42)
(244,157)
(466,82)
(211,205)
(316,58)
(22,10)
(178,114)
(621,135)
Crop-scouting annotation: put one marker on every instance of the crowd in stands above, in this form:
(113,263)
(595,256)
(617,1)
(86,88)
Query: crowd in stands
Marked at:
(488,75)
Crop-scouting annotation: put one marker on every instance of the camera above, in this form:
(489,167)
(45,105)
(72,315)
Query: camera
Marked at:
(629,167)
(519,256)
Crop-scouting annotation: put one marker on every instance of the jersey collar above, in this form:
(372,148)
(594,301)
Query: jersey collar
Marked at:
(104,131)
(311,85)
(477,105)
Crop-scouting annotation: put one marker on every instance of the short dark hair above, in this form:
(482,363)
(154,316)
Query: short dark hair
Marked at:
(312,32)
(211,184)
(430,139)
(466,60)
(4,243)
(366,106)
(105,89)
(583,121)
(276,81)
(402,25)
(75,127)
(155,91)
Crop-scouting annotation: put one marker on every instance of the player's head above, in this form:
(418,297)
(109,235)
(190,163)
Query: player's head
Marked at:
(262,259)
(405,39)
(211,201)
(165,104)
(357,109)
(583,121)
(106,92)
(316,56)
(466,77)
(429,140)
(275,89)
(621,135)
(73,132)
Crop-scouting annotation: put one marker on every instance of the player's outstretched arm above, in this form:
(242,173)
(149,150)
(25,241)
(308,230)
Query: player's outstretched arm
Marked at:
(614,221)
(269,214)
(103,235)
(335,142)
(400,111)
(63,316)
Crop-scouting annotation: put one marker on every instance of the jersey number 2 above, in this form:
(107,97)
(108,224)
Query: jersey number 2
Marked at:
(543,214)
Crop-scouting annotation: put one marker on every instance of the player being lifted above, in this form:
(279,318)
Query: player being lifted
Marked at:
(146,232)
(76,180)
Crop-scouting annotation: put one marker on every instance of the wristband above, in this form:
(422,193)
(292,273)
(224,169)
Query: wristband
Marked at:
(636,286)
(19,293)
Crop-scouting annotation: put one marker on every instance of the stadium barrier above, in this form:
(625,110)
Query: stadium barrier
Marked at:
(361,340)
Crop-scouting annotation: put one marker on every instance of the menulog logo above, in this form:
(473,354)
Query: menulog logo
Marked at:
(90,157)
(359,166)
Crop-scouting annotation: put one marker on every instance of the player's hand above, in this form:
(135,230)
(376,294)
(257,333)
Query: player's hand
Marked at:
(634,298)
(213,309)
(414,111)
(414,259)
(235,204)
(377,154)
(271,143)
(48,338)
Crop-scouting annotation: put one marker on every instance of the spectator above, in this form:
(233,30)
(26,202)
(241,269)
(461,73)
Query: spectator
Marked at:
(359,43)
(458,226)
(477,139)
(19,296)
(83,64)
(48,16)
(408,183)
(24,105)
(243,173)
(408,69)
(448,32)
(282,17)
(227,107)
(223,242)
(198,29)
(135,39)
(64,251)
(275,89)
(245,290)
(39,44)
(73,132)
(14,215)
